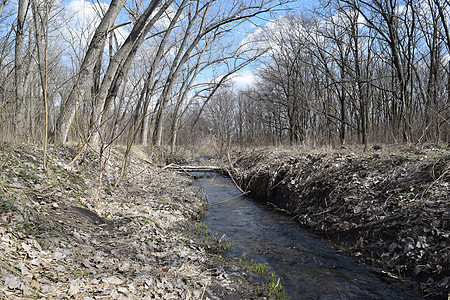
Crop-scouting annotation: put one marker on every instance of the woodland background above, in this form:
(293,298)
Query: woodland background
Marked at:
(171,72)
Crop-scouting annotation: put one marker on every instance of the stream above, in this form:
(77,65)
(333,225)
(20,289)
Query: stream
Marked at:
(309,266)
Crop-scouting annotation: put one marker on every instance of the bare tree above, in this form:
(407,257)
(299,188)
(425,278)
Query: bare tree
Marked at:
(19,67)
(122,59)
(82,82)
(217,25)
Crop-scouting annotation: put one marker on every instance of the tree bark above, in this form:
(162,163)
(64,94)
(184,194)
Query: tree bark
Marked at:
(83,79)
(18,71)
(120,63)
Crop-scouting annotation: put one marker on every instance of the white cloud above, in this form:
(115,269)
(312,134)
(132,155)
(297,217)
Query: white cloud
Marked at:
(84,14)
(276,33)
(341,21)
(259,37)
(80,21)
(244,79)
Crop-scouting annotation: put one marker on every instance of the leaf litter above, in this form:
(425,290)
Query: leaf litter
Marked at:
(134,242)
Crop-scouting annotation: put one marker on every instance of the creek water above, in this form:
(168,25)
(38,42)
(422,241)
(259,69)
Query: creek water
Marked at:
(310,267)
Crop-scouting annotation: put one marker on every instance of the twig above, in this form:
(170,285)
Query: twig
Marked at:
(212,179)
(229,199)
(203,195)
(17,187)
(278,283)
(242,191)
(204,290)
(167,166)
(431,184)
(79,153)
(46,188)
(294,217)
(229,174)
(174,166)
(277,208)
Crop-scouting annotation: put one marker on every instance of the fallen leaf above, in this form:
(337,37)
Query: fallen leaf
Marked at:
(86,263)
(33,254)
(74,289)
(60,269)
(45,288)
(125,267)
(13,282)
(26,247)
(112,280)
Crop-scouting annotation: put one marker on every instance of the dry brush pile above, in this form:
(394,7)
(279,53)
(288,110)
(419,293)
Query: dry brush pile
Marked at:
(389,209)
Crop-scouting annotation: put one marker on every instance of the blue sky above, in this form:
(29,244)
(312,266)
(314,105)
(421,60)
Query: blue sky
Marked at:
(82,20)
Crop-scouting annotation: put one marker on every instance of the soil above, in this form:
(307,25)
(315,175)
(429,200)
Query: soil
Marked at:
(138,240)
(386,207)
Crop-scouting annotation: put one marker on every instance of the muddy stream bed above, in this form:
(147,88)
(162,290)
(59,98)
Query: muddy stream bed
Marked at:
(309,266)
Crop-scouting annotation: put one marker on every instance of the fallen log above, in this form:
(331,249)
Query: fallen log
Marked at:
(194,168)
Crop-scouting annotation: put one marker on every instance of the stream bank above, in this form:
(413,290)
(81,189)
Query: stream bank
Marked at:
(388,209)
(138,240)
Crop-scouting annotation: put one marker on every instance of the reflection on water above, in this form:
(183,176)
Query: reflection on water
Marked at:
(309,266)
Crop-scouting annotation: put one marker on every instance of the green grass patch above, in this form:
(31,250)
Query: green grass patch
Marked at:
(6,206)
(276,290)
(259,268)
(222,244)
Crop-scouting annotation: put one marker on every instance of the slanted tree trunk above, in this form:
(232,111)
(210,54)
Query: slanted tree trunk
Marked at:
(83,79)
(120,63)
(150,85)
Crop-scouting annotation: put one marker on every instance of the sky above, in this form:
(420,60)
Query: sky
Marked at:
(83,19)
(247,77)
(244,79)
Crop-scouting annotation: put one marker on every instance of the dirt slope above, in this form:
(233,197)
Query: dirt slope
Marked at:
(391,210)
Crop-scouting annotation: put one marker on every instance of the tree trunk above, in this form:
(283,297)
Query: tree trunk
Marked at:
(147,117)
(120,63)
(18,69)
(83,79)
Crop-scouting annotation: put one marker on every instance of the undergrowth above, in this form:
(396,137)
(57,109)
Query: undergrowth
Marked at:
(221,244)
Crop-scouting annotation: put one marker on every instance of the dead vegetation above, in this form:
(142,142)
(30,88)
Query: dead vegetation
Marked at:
(134,241)
(390,209)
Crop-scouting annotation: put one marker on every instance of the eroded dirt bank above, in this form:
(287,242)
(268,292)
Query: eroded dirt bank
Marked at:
(391,210)
(139,240)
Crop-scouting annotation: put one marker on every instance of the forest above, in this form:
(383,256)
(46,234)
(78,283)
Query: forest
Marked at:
(220,73)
